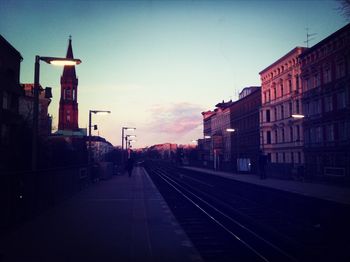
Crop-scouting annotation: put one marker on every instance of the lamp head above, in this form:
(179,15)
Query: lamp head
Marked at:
(60,61)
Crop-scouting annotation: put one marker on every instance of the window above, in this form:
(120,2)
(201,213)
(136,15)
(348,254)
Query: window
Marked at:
(317,80)
(282,135)
(276,136)
(268,137)
(281,89)
(284,157)
(313,107)
(297,106)
(292,157)
(329,133)
(341,100)
(268,115)
(68,116)
(268,157)
(291,134)
(328,103)
(268,95)
(327,75)
(340,69)
(318,134)
(298,133)
(5,134)
(73,94)
(5,100)
(297,82)
(290,85)
(67,94)
(307,136)
(342,130)
(282,112)
(312,135)
(290,108)
(276,157)
(305,84)
(299,157)
(275,109)
(275,92)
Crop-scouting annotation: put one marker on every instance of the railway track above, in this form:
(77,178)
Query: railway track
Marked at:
(226,225)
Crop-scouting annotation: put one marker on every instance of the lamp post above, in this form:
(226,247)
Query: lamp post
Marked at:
(54,61)
(90,113)
(231,130)
(123,137)
(127,143)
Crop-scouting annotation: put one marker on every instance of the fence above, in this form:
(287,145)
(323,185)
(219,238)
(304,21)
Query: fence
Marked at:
(23,195)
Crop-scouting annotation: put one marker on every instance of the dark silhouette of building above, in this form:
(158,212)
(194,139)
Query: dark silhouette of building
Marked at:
(26,103)
(325,77)
(10,120)
(244,119)
(68,108)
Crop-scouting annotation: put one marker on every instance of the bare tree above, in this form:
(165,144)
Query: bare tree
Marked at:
(345,8)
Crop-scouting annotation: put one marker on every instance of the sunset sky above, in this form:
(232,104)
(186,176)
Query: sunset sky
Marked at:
(158,64)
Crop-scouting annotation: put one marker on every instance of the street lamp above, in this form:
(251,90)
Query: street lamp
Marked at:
(231,130)
(126,129)
(298,116)
(54,61)
(93,112)
(128,143)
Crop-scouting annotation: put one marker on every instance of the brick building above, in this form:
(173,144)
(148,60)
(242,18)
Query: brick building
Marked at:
(244,119)
(26,107)
(281,92)
(215,124)
(326,101)
(68,108)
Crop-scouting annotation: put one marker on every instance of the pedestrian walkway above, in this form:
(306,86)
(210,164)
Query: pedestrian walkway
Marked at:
(121,219)
(327,192)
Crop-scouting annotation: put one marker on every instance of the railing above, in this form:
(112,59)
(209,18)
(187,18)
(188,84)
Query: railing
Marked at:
(23,195)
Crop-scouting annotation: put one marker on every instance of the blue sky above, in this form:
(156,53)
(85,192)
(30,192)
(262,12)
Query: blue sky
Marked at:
(158,64)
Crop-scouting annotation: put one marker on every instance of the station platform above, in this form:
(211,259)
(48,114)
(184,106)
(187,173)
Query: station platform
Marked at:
(121,219)
(327,192)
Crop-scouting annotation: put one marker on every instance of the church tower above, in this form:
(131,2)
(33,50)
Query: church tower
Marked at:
(68,108)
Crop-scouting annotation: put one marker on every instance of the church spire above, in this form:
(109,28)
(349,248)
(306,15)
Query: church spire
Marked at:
(70,50)
(69,71)
(68,109)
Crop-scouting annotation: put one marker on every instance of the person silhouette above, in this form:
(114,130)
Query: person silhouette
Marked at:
(130,166)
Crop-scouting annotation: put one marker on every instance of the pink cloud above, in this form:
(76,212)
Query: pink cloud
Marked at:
(179,119)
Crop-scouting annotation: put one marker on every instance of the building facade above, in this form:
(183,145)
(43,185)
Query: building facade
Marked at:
(326,102)
(281,92)
(10,119)
(26,103)
(216,138)
(68,107)
(244,119)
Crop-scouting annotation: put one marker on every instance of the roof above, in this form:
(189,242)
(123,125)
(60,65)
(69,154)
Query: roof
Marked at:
(328,38)
(294,50)
(224,104)
(9,46)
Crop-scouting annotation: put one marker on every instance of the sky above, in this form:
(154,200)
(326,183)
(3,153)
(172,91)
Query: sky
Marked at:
(156,65)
